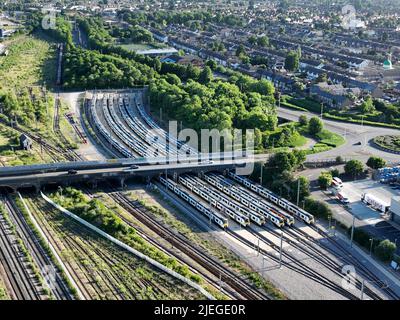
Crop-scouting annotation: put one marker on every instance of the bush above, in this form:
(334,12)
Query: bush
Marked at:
(354,168)
(303,120)
(335,172)
(339,160)
(315,126)
(325,180)
(376,163)
(385,250)
(318,208)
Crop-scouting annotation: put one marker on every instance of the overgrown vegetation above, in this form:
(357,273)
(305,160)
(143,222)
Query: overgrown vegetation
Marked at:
(384,249)
(391,143)
(28,65)
(45,245)
(96,213)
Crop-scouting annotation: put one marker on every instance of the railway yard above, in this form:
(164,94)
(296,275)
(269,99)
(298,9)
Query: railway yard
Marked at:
(273,238)
(277,243)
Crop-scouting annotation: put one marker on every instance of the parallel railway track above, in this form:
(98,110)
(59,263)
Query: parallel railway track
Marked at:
(40,257)
(168,250)
(21,278)
(242,286)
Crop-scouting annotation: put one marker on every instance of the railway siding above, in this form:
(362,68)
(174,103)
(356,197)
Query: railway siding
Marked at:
(73,286)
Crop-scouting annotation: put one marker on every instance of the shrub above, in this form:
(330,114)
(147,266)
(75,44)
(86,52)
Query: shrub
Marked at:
(303,120)
(325,180)
(339,160)
(376,162)
(335,172)
(354,168)
(385,250)
(317,208)
(315,126)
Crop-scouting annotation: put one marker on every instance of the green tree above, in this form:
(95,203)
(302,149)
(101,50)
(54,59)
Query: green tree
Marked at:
(252,40)
(317,208)
(315,126)
(240,50)
(303,120)
(304,190)
(367,106)
(206,75)
(335,172)
(385,250)
(323,77)
(292,61)
(353,168)
(212,64)
(263,41)
(376,162)
(339,160)
(325,180)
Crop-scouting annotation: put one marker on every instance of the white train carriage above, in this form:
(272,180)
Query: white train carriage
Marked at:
(213,216)
(260,220)
(283,203)
(150,122)
(214,200)
(105,133)
(117,126)
(247,200)
(139,128)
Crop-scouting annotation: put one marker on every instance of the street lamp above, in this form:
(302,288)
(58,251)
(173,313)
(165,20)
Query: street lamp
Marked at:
(352,231)
(370,249)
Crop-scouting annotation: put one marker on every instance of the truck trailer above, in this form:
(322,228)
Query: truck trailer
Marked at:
(375,203)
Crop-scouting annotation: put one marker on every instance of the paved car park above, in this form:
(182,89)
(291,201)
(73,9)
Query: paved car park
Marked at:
(354,191)
(367,218)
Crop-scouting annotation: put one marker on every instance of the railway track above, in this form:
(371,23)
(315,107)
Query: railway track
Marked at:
(55,153)
(22,281)
(320,257)
(59,248)
(311,251)
(100,274)
(305,270)
(239,284)
(351,260)
(169,251)
(40,257)
(69,153)
(294,264)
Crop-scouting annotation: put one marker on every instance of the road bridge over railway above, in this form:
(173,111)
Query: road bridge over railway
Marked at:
(37,176)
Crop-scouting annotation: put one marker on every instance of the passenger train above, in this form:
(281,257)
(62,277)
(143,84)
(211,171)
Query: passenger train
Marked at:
(222,204)
(213,216)
(273,214)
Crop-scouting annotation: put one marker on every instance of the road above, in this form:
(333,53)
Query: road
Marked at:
(353,133)
(32,178)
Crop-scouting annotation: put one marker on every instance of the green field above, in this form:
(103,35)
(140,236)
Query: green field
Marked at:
(331,139)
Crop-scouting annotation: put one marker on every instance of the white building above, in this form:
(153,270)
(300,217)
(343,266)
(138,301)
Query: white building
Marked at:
(395,209)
